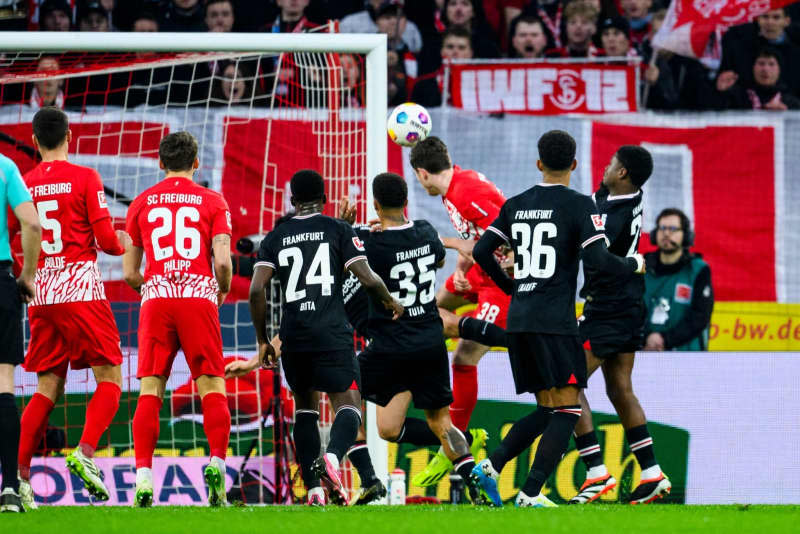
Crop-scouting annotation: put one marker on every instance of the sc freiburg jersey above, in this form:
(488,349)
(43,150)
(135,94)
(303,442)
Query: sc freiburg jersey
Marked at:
(406,258)
(622,217)
(309,254)
(546,226)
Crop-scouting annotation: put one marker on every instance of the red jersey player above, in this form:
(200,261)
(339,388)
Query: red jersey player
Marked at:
(182,228)
(473,203)
(70,319)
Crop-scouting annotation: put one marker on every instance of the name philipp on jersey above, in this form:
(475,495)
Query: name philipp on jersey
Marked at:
(174,198)
(305,236)
(404,255)
(533,214)
(44,190)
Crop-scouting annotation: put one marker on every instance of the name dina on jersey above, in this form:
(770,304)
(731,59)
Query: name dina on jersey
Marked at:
(533,214)
(404,255)
(305,236)
(44,190)
(174,198)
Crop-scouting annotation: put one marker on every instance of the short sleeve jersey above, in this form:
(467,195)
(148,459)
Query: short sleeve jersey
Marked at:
(69,199)
(175,222)
(547,226)
(622,217)
(406,258)
(12,194)
(472,202)
(309,254)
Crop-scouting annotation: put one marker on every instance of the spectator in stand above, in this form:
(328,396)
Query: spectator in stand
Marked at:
(146,21)
(456,44)
(615,37)
(581,25)
(93,18)
(550,12)
(365,22)
(235,86)
(766,90)
(219,15)
(469,14)
(352,81)
(678,293)
(292,17)
(529,38)
(182,16)
(639,17)
(55,16)
(742,43)
(47,92)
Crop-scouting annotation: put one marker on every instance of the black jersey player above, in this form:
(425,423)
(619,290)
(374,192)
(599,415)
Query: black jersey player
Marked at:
(549,227)
(310,254)
(612,329)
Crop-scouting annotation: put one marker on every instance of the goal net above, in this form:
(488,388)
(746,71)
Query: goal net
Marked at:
(258,117)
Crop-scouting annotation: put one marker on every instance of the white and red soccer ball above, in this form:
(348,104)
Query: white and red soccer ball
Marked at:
(408,124)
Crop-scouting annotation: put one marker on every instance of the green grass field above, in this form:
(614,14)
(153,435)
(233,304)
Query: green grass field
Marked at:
(408,519)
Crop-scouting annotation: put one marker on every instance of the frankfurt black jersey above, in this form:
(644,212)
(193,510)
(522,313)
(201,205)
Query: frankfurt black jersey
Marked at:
(406,258)
(309,254)
(356,304)
(546,226)
(622,217)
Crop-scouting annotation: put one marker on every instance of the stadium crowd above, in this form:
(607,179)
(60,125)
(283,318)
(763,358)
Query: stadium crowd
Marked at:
(750,66)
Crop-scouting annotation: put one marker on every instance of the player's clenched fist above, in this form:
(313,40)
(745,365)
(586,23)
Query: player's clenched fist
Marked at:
(267,356)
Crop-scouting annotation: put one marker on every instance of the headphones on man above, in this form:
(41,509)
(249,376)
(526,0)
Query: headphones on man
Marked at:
(686,226)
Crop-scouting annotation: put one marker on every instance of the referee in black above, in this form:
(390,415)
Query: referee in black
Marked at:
(13,293)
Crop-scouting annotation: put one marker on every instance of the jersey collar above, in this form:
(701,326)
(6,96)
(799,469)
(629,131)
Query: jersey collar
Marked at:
(456,172)
(305,216)
(409,224)
(621,197)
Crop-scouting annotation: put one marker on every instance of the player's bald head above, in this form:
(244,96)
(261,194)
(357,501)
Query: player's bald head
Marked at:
(307,186)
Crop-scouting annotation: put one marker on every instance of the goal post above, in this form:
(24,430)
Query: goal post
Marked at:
(183,45)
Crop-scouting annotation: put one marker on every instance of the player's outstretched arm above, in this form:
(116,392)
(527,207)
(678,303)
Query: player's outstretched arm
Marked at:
(464,247)
(242,367)
(131,267)
(484,256)
(375,286)
(223,265)
(596,256)
(31,246)
(258,313)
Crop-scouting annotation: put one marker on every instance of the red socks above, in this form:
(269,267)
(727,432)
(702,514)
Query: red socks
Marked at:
(465,394)
(32,426)
(99,413)
(217,423)
(145,429)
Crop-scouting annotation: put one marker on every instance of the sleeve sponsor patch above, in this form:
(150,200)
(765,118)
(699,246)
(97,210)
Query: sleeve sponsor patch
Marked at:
(101,199)
(599,221)
(358,244)
(683,293)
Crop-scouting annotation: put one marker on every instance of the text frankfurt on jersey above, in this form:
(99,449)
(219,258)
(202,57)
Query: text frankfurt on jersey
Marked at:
(542,88)
(404,255)
(533,214)
(305,236)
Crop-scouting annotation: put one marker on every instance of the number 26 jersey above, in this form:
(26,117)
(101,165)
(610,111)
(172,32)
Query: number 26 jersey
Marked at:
(309,254)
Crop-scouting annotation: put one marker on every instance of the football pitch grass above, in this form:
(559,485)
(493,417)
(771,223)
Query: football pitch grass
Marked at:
(444,519)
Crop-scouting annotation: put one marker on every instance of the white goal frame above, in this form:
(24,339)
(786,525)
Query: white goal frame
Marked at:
(374,46)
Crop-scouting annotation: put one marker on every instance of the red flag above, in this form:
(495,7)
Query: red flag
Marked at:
(690,23)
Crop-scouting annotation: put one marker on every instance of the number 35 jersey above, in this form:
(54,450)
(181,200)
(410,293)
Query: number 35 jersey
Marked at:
(406,258)
(547,226)
(309,254)
(174,222)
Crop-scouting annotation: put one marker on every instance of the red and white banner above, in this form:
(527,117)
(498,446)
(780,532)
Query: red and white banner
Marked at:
(690,23)
(543,88)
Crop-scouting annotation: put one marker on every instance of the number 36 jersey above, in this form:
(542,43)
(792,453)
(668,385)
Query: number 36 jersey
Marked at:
(309,254)
(406,258)
(174,222)
(547,226)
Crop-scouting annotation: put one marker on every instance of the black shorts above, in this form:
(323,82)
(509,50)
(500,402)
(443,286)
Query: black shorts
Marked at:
(609,334)
(11,336)
(331,372)
(544,361)
(425,373)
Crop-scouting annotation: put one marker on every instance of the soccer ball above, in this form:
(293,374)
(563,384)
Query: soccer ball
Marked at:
(408,124)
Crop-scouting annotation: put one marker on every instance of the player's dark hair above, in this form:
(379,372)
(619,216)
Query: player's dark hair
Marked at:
(390,190)
(557,150)
(50,126)
(637,161)
(430,154)
(307,186)
(177,151)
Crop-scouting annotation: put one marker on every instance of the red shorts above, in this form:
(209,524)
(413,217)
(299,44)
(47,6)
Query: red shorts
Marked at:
(167,325)
(74,334)
(492,302)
